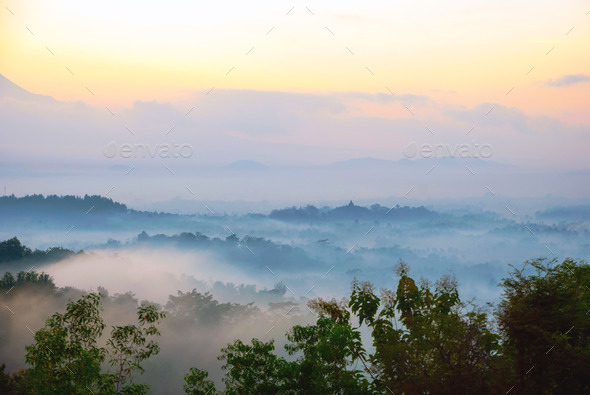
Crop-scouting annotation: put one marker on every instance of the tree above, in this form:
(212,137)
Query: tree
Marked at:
(330,349)
(7,382)
(545,326)
(12,249)
(196,308)
(436,347)
(22,278)
(425,341)
(326,353)
(253,369)
(196,383)
(129,346)
(66,358)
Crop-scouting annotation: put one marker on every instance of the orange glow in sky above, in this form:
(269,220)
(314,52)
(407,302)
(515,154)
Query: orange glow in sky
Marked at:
(459,53)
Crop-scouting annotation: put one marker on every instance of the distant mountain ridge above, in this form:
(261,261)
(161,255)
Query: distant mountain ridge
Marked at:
(246,165)
(9,89)
(375,163)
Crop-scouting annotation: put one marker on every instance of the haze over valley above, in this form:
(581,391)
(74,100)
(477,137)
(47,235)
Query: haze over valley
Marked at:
(272,198)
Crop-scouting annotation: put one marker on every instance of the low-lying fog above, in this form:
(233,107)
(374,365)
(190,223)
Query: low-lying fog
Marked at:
(262,268)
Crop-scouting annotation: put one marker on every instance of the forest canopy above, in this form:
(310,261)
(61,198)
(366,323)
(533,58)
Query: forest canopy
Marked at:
(423,340)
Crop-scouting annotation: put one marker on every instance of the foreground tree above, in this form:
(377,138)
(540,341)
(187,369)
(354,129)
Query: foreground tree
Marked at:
(196,383)
(253,369)
(8,385)
(331,348)
(436,347)
(545,324)
(129,346)
(326,353)
(66,359)
(425,340)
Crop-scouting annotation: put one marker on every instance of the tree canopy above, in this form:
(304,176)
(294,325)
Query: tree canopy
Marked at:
(423,339)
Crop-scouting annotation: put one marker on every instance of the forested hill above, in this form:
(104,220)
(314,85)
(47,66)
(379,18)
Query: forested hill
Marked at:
(15,254)
(90,211)
(566,214)
(353,212)
(40,204)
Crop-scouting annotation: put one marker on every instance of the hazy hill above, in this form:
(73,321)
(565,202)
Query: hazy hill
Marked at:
(567,214)
(353,212)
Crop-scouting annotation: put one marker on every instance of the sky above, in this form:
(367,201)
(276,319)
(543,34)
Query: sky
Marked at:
(294,84)
(464,52)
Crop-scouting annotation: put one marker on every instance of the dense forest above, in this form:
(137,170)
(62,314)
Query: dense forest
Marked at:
(423,339)
(13,251)
(51,211)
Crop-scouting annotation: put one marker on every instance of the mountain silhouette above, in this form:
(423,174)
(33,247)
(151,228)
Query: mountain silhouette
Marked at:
(9,89)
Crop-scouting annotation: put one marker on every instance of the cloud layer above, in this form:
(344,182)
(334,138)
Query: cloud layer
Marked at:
(570,79)
(66,147)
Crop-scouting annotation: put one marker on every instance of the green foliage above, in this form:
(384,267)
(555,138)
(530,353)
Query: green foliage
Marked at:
(253,369)
(546,326)
(135,389)
(425,341)
(22,278)
(196,383)
(436,348)
(128,346)
(329,349)
(364,302)
(66,358)
(15,254)
(197,308)
(325,354)
(12,250)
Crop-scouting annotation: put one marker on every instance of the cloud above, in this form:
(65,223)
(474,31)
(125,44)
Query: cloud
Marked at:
(141,271)
(569,79)
(390,97)
(279,129)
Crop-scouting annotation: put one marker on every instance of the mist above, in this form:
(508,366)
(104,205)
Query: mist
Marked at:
(223,277)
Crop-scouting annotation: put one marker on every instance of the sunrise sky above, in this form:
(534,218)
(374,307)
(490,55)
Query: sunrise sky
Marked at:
(462,52)
(293,83)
